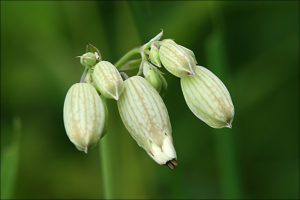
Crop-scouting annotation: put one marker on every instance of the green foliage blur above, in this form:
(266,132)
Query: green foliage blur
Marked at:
(253,47)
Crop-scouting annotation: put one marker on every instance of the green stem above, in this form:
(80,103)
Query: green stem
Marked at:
(106,168)
(83,75)
(10,162)
(127,56)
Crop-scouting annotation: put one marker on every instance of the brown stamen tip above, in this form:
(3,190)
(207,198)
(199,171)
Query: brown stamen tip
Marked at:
(170,165)
(189,73)
(174,162)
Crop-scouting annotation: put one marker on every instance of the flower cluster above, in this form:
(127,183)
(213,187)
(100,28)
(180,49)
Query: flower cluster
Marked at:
(139,101)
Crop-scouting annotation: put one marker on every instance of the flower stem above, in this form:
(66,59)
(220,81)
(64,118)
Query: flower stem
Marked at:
(124,75)
(127,56)
(10,156)
(106,168)
(83,75)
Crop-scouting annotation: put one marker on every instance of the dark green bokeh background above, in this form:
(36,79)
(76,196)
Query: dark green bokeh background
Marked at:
(252,46)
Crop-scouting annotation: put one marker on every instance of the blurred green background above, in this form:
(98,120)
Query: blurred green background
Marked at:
(252,46)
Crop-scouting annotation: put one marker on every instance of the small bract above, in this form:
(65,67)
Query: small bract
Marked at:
(154,56)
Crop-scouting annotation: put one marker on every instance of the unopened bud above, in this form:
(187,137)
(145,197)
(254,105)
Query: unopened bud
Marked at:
(176,60)
(88,59)
(189,52)
(151,75)
(154,56)
(208,98)
(84,116)
(108,80)
(154,79)
(145,116)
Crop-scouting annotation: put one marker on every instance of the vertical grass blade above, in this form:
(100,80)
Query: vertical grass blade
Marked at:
(9,162)
(230,184)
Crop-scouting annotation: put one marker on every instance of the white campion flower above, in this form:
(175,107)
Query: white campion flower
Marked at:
(108,80)
(208,98)
(84,116)
(145,116)
(177,60)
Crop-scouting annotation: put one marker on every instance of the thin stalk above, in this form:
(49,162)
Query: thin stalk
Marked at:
(124,75)
(127,56)
(10,161)
(83,75)
(106,168)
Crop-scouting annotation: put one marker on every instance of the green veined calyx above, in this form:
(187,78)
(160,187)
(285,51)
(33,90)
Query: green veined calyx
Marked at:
(208,98)
(108,80)
(145,116)
(176,59)
(84,116)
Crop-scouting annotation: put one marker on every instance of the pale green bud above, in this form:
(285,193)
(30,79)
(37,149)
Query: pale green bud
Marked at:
(88,59)
(208,98)
(108,80)
(152,75)
(153,55)
(154,79)
(176,60)
(84,116)
(189,52)
(145,116)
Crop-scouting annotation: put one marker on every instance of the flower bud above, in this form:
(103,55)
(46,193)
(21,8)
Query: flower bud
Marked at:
(154,79)
(146,118)
(108,80)
(84,116)
(88,59)
(175,59)
(189,52)
(208,98)
(152,76)
(153,55)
